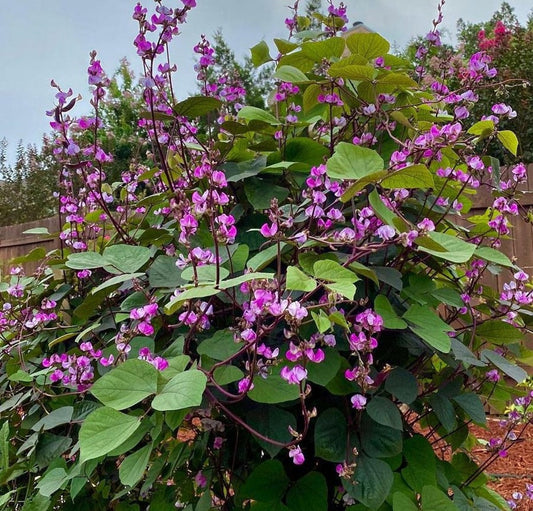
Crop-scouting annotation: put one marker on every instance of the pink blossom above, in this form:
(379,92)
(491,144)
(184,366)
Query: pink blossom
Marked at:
(295,375)
(297,455)
(358,401)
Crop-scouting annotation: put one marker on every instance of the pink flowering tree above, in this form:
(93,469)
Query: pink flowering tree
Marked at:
(285,309)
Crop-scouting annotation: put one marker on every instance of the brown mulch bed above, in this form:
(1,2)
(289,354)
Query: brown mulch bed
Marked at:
(511,473)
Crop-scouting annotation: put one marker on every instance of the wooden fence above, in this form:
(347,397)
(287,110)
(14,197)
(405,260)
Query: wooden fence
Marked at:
(13,243)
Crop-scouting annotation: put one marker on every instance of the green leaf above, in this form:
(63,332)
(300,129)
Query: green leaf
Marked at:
(164,273)
(196,106)
(126,385)
(402,385)
(434,499)
(325,49)
(444,411)
(132,469)
(297,280)
(50,447)
(401,502)
(449,247)
(421,465)
(115,281)
(268,482)
(305,150)
(322,321)
(37,503)
(272,422)
(379,441)
(263,258)
(37,230)
(342,287)
(353,72)
(290,74)
(372,483)
(85,260)
(369,46)
(285,46)
(261,192)
(52,481)
(412,177)
(205,274)
(332,271)
(381,210)
(252,113)
(237,281)
(437,340)
(425,317)
(498,332)
(55,418)
(384,308)
(472,406)
(227,374)
(385,412)
(220,346)
(362,183)
(330,435)
(353,162)
(103,430)
(188,294)
(126,258)
(397,79)
(326,370)
(494,256)
(274,389)
(183,391)
(309,493)
(481,128)
(509,368)
(260,54)
(508,140)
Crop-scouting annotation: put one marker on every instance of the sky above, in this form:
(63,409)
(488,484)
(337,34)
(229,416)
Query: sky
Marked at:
(42,40)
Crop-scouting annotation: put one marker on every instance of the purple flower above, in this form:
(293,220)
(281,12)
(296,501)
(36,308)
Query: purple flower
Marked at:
(297,455)
(386,232)
(267,231)
(295,375)
(358,401)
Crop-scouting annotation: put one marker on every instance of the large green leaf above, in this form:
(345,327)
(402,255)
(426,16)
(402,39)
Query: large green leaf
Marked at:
(414,176)
(196,106)
(498,332)
(132,468)
(220,346)
(509,368)
(325,49)
(473,407)
(353,72)
(297,280)
(305,150)
(330,435)
(116,281)
(183,391)
(385,412)
(125,258)
(290,74)
(333,272)
(324,372)
(260,54)
(447,247)
(434,499)
(55,418)
(509,140)
(368,45)
(268,482)
(272,422)
(494,256)
(103,430)
(444,411)
(379,441)
(401,502)
(260,193)
(309,493)
(390,319)
(402,384)
(273,389)
(372,483)
(252,113)
(353,162)
(127,384)
(164,273)
(421,463)
(85,260)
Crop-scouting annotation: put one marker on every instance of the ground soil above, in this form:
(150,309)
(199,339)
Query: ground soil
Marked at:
(511,473)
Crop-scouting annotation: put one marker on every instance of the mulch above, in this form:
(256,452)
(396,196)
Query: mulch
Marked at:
(508,474)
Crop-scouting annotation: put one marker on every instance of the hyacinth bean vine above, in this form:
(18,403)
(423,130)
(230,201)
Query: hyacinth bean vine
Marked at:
(278,308)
